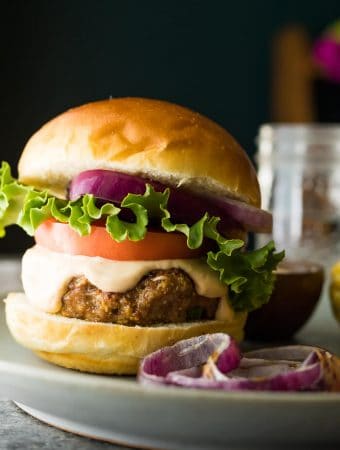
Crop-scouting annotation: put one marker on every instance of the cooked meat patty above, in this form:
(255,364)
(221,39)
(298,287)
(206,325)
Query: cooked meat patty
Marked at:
(162,296)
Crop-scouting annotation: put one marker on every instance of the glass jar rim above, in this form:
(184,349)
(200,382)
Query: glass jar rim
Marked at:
(312,143)
(322,133)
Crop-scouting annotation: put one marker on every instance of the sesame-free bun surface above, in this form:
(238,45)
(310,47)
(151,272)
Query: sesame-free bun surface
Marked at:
(100,347)
(151,138)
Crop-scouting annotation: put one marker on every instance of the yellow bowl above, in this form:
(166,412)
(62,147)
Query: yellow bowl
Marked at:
(335,290)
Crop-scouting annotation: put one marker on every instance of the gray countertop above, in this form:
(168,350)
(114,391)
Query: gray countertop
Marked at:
(20,431)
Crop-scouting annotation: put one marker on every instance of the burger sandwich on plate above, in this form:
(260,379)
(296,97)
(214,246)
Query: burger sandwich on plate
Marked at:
(140,211)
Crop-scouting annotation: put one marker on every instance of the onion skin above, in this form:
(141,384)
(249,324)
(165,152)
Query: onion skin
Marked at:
(184,206)
(214,362)
(331,370)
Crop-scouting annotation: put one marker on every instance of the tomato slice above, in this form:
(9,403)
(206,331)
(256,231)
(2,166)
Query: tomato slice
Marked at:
(59,237)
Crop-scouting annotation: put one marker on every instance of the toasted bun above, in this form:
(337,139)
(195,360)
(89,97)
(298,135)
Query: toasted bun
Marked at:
(99,347)
(144,137)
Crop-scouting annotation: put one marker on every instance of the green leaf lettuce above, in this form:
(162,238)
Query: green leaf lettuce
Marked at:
(248,275)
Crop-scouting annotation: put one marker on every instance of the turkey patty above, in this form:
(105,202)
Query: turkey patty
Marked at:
(162,296)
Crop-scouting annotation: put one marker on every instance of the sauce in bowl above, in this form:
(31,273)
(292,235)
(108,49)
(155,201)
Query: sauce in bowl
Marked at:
(297,290)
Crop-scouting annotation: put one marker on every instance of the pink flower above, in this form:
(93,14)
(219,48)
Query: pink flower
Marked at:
(326,54)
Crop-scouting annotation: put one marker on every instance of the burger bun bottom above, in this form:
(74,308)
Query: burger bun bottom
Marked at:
(100,347)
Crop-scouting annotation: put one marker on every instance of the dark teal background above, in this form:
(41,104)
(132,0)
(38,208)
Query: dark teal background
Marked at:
(213,56)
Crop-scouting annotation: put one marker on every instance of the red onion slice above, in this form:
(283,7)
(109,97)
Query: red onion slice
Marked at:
(188,355)
(213,362)
(109,185)
(184,206)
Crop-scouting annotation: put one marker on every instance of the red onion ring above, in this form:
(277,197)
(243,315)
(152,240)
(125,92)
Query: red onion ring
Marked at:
(213,362)
(188,354)
(184,206)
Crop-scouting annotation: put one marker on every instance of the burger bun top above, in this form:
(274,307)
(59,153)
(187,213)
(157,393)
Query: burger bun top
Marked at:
(150,138)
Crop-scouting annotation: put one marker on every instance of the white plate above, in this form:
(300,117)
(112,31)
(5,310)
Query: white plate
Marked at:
(117,409)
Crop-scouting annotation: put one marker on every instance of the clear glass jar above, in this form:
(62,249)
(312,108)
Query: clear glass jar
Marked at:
(299,175)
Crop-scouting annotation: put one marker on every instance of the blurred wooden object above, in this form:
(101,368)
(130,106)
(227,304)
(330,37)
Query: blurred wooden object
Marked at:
(292,76)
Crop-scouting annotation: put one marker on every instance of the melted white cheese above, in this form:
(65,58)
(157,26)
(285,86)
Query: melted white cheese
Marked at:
(46,274)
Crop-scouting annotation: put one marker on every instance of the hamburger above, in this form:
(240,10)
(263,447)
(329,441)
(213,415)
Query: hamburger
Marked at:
(140,211)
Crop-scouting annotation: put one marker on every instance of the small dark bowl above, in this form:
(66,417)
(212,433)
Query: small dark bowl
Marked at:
(297,290)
